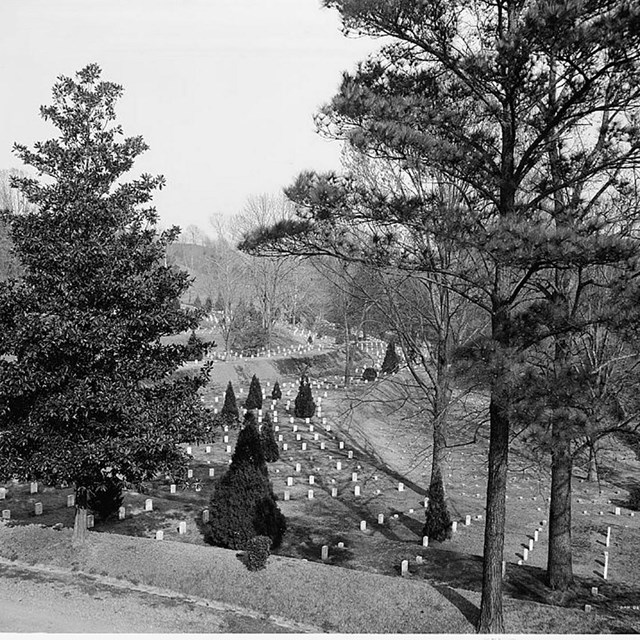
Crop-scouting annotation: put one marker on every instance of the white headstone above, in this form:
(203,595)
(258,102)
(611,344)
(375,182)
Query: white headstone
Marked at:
(71,500)
(310,494)
(363,525)
(324,552)
(400,486)
(189,473)
(311,480)
(380,518)
(160,535)
(90,521)
(356,490)
(182,527)
(34,487)
(148,504)
(298,467)
(287,495)
(172,488)
(6,514)
(404,568)
(122,512)
(189,450)
(467,520)
(3,493)
(207,449)
(38,508)
(354,477)
(334,492)
(205,516)
(212,472)
(425,541)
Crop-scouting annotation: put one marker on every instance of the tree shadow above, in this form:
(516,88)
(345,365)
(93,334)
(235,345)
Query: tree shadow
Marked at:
(466,608)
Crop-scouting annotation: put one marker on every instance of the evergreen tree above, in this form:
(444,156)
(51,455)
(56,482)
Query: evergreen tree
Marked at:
(437,521)
(208,305)
(243,506)
(197,303)
(268,438)
(249,446)
(276,393)
(219,304)
(391,362)
(196,347)
(230,414)
(254,398)
(85,380)
(304,406)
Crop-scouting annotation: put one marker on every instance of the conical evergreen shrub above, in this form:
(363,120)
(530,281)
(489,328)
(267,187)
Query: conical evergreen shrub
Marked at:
(249,446)
(391,362)
(243,506)
(437,519)
(304,407)
(276,394)
(254,399)
(268,437)
(230,414)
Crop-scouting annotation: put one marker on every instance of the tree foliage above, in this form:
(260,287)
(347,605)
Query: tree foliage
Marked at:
(304,406)
(268,437)
(229,413)
(254,397)
(391,362)
(85,382)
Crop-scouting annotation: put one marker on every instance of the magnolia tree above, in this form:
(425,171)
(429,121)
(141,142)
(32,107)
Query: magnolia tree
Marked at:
(87,391)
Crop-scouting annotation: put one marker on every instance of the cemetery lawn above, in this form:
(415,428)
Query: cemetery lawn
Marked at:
(358,589)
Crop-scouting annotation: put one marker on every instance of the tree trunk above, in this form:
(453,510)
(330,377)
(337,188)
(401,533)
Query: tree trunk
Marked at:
(559,566)
(79,536)
(593,464)
(491,620)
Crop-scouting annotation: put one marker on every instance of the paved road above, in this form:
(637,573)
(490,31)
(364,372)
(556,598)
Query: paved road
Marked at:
(36,600)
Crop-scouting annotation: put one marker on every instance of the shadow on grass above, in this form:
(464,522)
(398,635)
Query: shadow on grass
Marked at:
(466,608)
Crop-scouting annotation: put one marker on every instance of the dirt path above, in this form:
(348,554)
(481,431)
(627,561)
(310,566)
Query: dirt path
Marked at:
(39,600)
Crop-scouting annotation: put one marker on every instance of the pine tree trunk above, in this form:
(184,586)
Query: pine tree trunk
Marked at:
(491,620)
(560,566)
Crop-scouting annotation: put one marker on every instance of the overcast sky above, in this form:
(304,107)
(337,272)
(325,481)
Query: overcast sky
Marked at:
(223,91)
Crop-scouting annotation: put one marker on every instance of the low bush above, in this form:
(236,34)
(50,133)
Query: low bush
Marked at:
(369,374)
(257,553)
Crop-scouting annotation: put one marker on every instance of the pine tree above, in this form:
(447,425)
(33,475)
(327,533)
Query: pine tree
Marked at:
(249,446)
(276,394)
(391,362)
(196,346)
(230,414)
(86,384)
(254,398)
(268,437)
(304,406)
(437,519)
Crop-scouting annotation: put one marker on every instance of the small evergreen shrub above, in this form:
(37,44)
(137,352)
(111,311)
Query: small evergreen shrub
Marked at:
(369,374)
(305,407)
(391,362)
(276,394)
(249,445)
(270,447)
(437,519)
(230,414)
(195,347)
(254,399)
(257,553)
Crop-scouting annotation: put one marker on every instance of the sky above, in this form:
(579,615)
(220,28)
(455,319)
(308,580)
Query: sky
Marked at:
(222,91)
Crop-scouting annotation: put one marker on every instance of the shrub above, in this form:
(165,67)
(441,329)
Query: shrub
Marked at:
(276,394)
(249,446)
(270,447)
(437,519)
(105,497)
(305,407)
(391,362)
(254,399)
(369,374)
(230,414)
(243,506)
(195,347)
(257,553)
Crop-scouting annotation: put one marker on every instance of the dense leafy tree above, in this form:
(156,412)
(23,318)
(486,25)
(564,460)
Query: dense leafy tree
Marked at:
(254,397)
(304,406)
(86,384)
(369,374)
(229,413)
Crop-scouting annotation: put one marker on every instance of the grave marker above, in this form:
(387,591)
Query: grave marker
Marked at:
(71,500)
(148,504)
(205,516)
(606,565)
(467,521)
(182,527)
(6,514)
(310,494)
(400,486)
(90,521)
(122,512)
(34,487)
(356,491)
(289,481)
(3,493)
(607,541)
(159,535)
(404,568)
(425,541)
(324,552)
(311,480)
(286,495)
(334,492)
(212,472)
(172,488)
(207,449)
(38,508)
(380,518)
(363,525)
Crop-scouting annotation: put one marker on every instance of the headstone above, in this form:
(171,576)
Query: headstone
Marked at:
(148,504)
(205,516)
(189,450)
(34,487)
(311,480)
(363,525)
(189,473)
(172,488)
(6,514)
(467,521)
(530,545)
(334,492)
(3,493)
(90,521)
(289,481)
(212,472)
(400,486)
(298,437)
(340,545)
(38,508)
(587,608)
(380,518)
(605,571)
(225,439)
(287,495)
(304,446)
(71,500)
(160,535)
(322,446)
(340,445)
(310,494)
(285,446)
(122,512)
(525,554)
(425,541)
(298,467)
(607,541)
(324,552)
(207,449)
(338,466)
(594,591)
(617,510)
(350,455)
(356,491)
(182,527)
(404,568)
(354,477)
(228,449)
